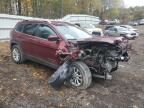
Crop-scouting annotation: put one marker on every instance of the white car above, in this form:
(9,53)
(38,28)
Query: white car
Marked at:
(121,31)
(141,22)
(133,23)
(90,28)
(130,28)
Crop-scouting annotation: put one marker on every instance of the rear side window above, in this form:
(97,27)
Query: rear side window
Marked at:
(19,27)
(112,29)
(29,29)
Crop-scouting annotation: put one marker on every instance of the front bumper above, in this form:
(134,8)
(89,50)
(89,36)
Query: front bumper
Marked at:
(124,57)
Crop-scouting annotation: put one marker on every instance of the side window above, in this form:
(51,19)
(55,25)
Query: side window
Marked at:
(29,29)
(44,31)
(115,29)
(19,27)
(111,29)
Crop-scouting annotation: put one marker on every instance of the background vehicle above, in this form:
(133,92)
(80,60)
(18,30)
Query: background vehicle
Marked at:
(108,26)
(141,22)
(121,31)
(86,22)
(133,23)
(130,28)
(51,43)
(90,28)
(110,22)
(81,18)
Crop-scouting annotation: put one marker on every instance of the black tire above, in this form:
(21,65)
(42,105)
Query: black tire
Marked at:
(85,73)
(21,57)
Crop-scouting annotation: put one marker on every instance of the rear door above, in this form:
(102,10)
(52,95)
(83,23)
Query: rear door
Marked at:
(29,41)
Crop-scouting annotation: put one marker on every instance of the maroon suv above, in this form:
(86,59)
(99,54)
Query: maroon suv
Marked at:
(51,43)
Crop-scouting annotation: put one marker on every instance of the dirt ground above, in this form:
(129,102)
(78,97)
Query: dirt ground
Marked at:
(25,85)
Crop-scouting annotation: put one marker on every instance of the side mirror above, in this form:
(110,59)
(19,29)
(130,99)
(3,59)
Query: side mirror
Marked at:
(53,38)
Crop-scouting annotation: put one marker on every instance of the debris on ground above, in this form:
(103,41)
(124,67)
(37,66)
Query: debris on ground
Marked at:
(62,74)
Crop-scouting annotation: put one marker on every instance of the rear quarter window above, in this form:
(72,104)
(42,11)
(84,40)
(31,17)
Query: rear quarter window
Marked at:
(19,27)
(29,29)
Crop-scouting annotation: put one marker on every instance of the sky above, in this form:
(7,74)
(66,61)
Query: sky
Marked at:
(133,3)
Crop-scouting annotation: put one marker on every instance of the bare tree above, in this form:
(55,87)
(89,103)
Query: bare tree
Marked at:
(14,7)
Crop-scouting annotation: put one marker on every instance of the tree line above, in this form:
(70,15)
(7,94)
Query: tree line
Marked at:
(106,9)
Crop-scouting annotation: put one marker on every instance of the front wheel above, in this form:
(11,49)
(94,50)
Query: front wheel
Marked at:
(81,77)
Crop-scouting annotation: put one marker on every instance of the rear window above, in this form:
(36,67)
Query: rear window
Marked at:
(29,29)
(19,27)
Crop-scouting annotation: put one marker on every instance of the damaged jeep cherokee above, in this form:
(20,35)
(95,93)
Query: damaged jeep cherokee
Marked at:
(53,43)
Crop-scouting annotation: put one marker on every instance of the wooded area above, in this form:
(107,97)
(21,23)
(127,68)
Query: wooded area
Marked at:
(106,9)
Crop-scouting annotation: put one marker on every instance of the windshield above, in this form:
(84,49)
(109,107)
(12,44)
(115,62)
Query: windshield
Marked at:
(122,29)
(72,32)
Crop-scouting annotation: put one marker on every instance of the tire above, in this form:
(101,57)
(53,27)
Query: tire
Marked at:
(17,55)
(81,72)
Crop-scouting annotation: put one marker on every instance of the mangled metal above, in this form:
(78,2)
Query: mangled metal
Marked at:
(62,74)
(102,58)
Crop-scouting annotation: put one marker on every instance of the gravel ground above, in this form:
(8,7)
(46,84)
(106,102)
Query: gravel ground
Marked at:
(25,85)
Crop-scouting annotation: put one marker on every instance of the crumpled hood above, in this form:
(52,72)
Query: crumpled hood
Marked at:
(105,39)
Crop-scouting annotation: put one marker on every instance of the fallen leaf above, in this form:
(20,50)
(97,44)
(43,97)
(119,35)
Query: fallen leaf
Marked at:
(14,79)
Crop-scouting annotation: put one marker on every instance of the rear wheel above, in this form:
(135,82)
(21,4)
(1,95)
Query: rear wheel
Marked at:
(81,77)
(17,55)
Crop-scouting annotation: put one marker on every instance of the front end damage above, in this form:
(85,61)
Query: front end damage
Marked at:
(102,57)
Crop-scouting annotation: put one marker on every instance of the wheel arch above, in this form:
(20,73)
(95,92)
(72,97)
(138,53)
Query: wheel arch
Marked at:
(87,75)
(13,43)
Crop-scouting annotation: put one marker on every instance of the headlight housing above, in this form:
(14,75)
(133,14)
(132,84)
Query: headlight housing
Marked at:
(128,35)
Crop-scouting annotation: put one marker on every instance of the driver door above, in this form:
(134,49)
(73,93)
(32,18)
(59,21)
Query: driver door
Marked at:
(46,51)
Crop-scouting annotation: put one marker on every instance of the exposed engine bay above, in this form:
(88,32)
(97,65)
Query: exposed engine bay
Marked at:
(102,58)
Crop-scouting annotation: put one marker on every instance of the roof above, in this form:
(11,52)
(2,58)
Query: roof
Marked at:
(80,15)
(81,18)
